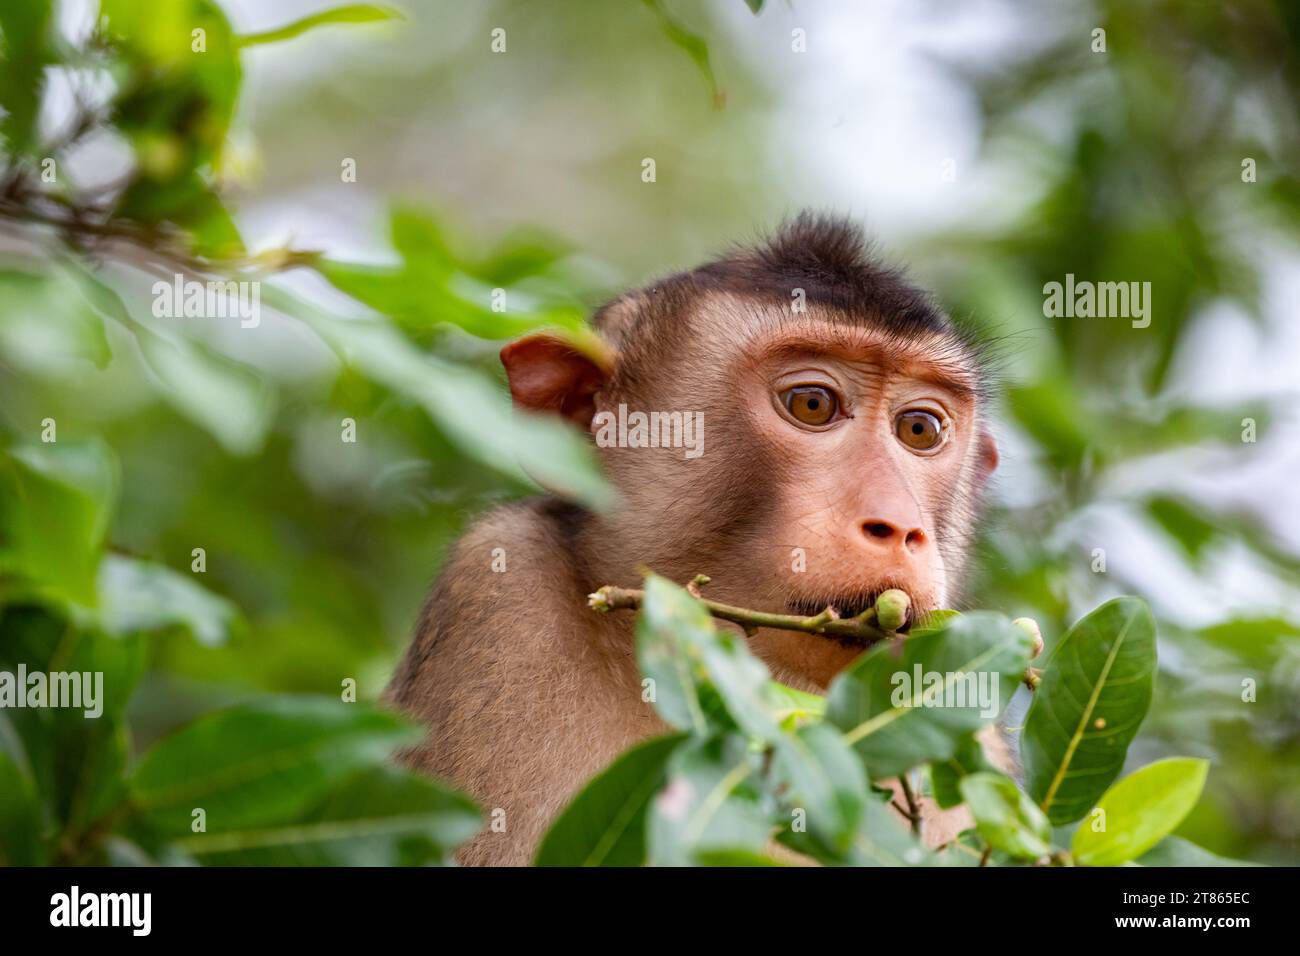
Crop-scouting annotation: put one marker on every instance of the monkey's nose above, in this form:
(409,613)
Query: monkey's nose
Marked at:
(890,535)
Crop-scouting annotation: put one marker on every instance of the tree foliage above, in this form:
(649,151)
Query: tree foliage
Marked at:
(177,511)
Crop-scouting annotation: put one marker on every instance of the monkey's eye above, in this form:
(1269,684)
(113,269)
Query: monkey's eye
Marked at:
(810,404)
(919,430)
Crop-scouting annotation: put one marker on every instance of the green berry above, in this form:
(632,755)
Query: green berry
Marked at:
(1030,627)
(891,609)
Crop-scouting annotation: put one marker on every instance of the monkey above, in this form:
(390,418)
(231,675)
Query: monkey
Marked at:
(846,448)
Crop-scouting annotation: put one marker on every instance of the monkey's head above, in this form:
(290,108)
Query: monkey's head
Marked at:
(843,447)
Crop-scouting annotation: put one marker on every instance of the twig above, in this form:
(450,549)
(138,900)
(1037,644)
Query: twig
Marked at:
(861,627)
(83,222)
(79,232)
(84,120)
(913,807)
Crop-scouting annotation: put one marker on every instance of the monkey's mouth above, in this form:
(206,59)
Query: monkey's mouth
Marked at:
(846,605)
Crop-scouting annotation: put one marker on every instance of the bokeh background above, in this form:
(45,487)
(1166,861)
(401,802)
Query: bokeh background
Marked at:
(985,144)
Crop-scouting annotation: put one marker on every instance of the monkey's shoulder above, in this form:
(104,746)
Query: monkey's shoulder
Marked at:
(504,583)
(510,565)
(523,536)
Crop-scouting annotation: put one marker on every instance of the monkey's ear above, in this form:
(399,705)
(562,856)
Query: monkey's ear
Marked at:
(986,458)
(548,373)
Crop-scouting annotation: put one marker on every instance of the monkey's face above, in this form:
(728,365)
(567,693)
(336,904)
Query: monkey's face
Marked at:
(837,459)
(878,457)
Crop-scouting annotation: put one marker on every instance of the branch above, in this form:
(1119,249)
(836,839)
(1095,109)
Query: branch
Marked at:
(80,233)
(892,606)
(862,627)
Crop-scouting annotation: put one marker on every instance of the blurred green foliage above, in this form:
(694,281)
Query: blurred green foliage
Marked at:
(177,435)
(1144,179)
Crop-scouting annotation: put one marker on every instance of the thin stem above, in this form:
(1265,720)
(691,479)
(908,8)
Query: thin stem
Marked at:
(913,805)
(79,232)
(862,627)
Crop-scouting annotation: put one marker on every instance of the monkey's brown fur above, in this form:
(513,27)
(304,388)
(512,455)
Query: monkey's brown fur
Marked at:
(527,693)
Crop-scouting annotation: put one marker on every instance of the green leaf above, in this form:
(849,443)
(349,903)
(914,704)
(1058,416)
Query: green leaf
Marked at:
(1095,691)
(966,849)
(968,671)
(434,287)
(1257,642)
(77,754)
(818,773)
(261,764)
(736,858)
(933,621)
(169,76)
(468,408)
(45,325)
(1175,851)
(693,665)
(670,628)
(1005,816)
(605,824)
(45,640)
(795,707)
(687,657)
(1056,418)
(946,775)
(380,816)
(55,504)
(138,596)
(1139,811)
(524,254)
(699,810)
(90,758)
(1183,523)
(174,105)
(24,54)
(20,816)
(691,43)
(349,13)
(231,401)
(417,302)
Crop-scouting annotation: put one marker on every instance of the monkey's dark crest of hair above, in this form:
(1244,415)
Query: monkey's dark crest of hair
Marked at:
(828,257)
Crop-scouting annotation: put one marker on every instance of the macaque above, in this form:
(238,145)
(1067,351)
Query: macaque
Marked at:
(844,451)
